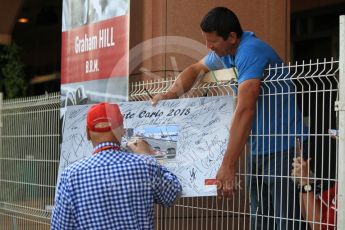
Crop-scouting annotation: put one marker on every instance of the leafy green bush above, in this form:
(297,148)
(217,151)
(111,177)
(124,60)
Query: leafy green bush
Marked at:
(12,76)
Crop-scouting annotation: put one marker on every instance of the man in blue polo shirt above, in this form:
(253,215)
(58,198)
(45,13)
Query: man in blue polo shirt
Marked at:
(266,109)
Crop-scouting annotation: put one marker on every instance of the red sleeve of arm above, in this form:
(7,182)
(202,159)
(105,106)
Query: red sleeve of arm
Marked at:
(328,200)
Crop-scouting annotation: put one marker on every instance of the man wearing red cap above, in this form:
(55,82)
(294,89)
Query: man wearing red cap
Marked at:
(112,189)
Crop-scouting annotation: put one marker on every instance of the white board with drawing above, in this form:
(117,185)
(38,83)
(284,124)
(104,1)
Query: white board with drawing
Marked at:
(188,136)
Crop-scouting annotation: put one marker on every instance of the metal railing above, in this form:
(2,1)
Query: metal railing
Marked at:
(29,149)
(314,88)
(29,158)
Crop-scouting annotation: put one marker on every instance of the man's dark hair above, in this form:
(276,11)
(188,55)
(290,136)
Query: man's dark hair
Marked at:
(222,21)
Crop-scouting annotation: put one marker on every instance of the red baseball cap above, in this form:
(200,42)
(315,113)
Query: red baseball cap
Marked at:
(108,114)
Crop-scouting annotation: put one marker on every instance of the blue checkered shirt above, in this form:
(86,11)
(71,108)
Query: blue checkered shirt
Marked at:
(112,190)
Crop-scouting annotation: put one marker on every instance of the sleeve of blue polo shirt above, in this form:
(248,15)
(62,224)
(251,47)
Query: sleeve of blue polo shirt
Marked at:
(62,217)
(213,62)
(251,64)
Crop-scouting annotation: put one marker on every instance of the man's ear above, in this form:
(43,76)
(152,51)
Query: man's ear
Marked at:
(118,133)
(232,37)
(88,134)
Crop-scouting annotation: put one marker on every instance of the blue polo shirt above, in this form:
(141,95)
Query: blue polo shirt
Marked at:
(278,120)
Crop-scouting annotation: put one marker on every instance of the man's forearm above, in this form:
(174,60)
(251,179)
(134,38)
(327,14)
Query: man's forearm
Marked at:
(312,209)
(183,83)
(248,93)
(239,132)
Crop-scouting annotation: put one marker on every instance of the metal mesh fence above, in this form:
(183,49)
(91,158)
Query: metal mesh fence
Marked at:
(29,157)
(312,88)
(29,152)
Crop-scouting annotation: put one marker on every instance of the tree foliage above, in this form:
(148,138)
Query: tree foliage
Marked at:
(12,76)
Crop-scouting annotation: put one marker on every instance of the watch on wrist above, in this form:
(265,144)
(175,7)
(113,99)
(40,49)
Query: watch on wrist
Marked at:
(306,188)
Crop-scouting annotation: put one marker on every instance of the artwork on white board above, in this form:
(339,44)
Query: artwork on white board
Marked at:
(188,136)
(162,139)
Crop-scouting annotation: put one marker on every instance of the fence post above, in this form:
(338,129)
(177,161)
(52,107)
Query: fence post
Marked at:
(1,125)
(341,109)
(1,148)
(1,101)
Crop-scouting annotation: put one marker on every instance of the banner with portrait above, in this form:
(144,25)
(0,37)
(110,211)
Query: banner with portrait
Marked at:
(94,51)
